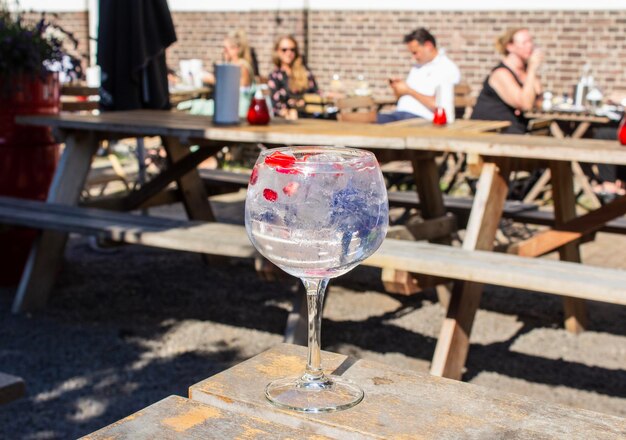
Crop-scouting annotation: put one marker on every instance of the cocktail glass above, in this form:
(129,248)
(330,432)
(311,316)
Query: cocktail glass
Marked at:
(316,213)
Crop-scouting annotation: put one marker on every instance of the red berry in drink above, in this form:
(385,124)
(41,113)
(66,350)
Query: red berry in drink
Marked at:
(254,176)
(291,188)
(270,195)
(278,159)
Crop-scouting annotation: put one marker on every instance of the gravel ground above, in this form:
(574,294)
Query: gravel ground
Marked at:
(125,329)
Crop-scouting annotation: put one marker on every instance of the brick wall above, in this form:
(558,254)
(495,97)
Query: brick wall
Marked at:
(200,35)
(370,42)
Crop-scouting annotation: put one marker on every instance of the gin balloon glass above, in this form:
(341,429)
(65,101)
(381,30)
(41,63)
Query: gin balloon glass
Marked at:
(316,212)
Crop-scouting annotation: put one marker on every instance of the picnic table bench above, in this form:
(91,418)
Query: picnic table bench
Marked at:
(397,404)
(433,260)
(548,276)
(11,388)
(460,206)
(418,144)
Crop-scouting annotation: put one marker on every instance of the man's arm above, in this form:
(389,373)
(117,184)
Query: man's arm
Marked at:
(401,88)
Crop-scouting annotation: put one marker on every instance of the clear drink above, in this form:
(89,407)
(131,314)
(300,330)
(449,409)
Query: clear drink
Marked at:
(316,212)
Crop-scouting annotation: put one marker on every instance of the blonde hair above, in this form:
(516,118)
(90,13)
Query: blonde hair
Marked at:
(239,38)
(298,79)
(506,38)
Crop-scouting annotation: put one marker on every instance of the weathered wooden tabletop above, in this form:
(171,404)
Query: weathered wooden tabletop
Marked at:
(461,136)
(398,404)
(567,116)
(176,418)
(279,131)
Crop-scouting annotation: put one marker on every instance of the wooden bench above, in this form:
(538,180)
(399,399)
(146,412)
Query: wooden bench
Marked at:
(572,280)
(11,388)
(76,98)
(529,213)
(556,277)
(220,181)
(521,212)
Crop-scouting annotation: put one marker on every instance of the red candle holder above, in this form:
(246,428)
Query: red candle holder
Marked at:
(621,131)
(439,117)
(258,112)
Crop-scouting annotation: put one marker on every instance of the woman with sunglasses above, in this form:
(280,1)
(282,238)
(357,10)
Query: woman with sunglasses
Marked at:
(290,80)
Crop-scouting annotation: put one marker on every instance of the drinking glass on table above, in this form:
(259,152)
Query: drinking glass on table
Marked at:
(316,212)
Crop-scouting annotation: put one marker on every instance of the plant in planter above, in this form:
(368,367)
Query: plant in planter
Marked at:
(31,57)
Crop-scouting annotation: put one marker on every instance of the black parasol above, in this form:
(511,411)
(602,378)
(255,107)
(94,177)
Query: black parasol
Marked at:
(132,38)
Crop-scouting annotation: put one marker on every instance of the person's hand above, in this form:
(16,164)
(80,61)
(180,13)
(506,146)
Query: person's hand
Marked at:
(535,60)
(399,87)
(292,114)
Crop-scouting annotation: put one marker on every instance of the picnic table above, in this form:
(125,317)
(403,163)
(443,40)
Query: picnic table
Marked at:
(580,123)
(397,404)
(420,144)
(82,134)
(81,97)
(502,154)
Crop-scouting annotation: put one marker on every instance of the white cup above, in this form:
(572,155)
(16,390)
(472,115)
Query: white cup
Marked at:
(93,76)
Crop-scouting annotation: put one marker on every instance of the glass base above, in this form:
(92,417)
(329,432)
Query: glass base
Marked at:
(330,393)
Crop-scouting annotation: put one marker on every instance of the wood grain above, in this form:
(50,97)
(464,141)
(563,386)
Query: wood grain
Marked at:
(175,418)
(400,403)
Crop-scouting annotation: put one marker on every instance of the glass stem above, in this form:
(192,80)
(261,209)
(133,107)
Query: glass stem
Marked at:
(315,289)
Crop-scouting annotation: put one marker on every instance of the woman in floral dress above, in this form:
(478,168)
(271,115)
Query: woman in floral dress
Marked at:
(290,80)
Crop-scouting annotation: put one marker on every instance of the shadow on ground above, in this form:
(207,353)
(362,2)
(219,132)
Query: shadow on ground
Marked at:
(103,348)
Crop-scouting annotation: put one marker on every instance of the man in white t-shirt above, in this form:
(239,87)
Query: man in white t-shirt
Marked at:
(417,93)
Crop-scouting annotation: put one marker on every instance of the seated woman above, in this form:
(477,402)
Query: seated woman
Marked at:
(290,80)
(236,51)
(513,86)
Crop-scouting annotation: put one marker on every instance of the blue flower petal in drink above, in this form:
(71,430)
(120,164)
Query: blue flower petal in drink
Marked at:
(358,217)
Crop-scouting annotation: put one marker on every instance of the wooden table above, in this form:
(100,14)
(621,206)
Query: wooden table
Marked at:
(179,94)
(82,132)
(74,96)
(398,404)
(581,121)
(502,154)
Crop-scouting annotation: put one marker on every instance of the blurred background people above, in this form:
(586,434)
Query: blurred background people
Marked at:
(290,80)
(512,87)
(236,50)
(417,93)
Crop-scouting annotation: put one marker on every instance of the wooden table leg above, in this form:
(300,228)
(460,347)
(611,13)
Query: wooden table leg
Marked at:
(583,182)
(453,343)
(47,251)
(538,187)
(426,177)
(564,210)
(580,176)
(194,196)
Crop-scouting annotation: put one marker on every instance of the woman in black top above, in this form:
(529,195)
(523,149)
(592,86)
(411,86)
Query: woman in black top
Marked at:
(512,86)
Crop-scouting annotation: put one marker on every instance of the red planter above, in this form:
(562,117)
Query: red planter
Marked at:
(28,159)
